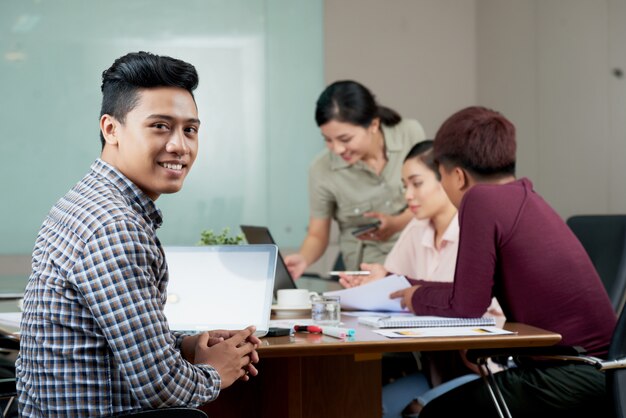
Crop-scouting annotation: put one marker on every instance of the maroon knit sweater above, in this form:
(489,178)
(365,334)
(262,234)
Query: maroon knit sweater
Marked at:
(515,247)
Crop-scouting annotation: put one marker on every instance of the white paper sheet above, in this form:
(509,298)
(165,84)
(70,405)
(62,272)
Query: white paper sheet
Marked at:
(11,319)
(441,332)
(10,322)
(375,313)
(373,296)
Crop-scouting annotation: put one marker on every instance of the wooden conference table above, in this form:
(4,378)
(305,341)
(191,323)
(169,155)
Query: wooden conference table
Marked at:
(313,375)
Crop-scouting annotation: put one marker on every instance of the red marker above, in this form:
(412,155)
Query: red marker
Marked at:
(307,328)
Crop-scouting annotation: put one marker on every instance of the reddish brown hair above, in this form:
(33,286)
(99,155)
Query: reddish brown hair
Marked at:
(477,139)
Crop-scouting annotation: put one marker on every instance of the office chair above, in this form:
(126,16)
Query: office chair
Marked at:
(8,392)
(176,412)
(614,366)
(604,240)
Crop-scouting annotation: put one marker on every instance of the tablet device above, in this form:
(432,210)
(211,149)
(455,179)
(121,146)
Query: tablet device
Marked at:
(363,229)
(220,287)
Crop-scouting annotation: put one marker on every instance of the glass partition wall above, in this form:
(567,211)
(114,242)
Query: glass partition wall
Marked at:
(260,66)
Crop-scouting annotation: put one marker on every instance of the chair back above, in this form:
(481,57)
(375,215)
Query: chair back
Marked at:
(9,346)
(616,378)
(175,412)
(604,240)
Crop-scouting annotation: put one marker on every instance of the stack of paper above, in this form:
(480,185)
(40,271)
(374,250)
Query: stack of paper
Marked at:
(373,296)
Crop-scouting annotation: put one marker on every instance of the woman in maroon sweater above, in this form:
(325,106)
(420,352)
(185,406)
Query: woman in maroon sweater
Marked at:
(515,247)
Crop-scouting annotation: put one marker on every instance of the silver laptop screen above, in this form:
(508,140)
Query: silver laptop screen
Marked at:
(220,287)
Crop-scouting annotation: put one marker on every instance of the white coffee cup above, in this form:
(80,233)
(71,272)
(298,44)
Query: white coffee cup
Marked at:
(294,298)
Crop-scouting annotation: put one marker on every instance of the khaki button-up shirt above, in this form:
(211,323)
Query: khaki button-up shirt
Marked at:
(344,192)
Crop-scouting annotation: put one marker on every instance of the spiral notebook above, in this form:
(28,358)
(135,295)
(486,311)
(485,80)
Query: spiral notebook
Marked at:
(405,321)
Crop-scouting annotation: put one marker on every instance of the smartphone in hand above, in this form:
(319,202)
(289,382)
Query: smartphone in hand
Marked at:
(364,229)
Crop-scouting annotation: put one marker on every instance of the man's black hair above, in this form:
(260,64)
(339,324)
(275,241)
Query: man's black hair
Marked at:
(140,70)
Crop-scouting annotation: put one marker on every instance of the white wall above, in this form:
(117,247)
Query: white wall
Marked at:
(546,64)
(417,56)
(506,71)
(617,105)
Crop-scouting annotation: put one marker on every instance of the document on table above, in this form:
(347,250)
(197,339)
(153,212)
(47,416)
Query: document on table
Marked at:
(441,332)
(373,296)
(10,322)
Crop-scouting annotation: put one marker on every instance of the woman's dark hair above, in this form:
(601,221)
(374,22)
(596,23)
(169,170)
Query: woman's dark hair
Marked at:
(423,151)
(139,70)
(479,140)
(351,102)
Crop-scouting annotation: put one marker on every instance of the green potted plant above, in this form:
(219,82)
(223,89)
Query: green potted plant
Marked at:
(208,237)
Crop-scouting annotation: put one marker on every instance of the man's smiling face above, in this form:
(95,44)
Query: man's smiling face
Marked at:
(157,144)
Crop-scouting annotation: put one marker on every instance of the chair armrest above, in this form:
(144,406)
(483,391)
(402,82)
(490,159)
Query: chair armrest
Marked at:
(11,296)
(522,354)
(179,412)
(614,364)
(538,355)
(7,388)
(9,343)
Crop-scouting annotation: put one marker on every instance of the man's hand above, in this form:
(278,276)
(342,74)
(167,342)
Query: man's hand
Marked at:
(219,335)
(232,353)
(406,296)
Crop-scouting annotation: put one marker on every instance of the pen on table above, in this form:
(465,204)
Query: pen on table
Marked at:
(338,332)
(350,273)
(307,328)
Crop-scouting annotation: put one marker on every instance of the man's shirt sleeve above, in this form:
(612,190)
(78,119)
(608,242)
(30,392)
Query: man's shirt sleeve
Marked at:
(116,276)
(471,292)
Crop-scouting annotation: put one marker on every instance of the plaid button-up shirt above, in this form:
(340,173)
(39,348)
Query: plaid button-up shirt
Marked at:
(94,340)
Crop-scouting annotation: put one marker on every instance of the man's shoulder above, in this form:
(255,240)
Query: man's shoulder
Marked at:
(89,206)
(496,203)
(517,189)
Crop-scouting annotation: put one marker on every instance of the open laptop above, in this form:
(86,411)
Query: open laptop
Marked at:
(220,287)
(261,235)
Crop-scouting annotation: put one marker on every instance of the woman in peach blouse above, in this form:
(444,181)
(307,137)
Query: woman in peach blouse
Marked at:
(427,247)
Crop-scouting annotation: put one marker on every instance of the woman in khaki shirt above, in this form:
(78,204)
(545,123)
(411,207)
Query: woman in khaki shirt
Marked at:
(356,180)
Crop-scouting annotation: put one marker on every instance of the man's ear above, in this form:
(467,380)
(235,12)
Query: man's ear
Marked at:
(109,128)
(465,180)
(459,178)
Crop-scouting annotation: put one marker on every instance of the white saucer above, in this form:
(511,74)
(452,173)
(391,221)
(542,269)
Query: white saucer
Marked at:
(291,310)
